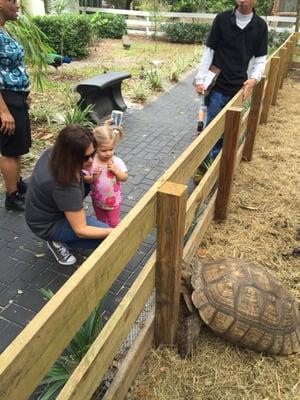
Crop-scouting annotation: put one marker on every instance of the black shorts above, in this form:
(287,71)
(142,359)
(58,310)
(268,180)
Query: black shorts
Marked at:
(20,142)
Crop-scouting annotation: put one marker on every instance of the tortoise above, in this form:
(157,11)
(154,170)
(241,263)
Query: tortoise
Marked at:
(240,302)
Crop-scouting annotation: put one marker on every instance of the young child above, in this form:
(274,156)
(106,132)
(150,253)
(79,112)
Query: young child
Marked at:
(105,175)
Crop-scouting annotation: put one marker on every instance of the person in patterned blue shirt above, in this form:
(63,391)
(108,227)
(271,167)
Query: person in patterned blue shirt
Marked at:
(15,134)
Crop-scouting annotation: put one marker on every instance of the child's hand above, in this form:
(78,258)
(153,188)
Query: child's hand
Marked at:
(111,166)
(96,173)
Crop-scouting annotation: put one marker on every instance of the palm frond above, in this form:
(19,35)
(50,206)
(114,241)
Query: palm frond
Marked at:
(33,40)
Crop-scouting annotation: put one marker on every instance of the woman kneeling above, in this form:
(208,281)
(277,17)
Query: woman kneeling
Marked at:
(54,203)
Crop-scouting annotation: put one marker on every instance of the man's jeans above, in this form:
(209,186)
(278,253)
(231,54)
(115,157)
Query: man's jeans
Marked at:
(217,101)
(66,234)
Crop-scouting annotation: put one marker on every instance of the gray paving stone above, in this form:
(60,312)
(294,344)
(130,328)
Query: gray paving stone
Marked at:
(3,324)
(34,271)
(9,334)
(13,268)
(31,300)
(57,283)
(9,294)
(17,314)
(43,280)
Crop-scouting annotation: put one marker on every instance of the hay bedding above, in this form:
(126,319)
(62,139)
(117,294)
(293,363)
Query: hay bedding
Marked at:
(263,226)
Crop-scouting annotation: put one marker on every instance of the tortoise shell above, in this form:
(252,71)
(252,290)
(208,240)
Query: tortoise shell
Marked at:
(246,305)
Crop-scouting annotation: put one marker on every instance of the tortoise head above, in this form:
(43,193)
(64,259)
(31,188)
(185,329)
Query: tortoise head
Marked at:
(187,271)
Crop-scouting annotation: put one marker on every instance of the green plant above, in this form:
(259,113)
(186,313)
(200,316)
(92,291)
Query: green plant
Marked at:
(62,369)
(42,114)
(186,33)
(154,78)
(79,116)
(74,31)
(275,39)
(108,25)
(140,91)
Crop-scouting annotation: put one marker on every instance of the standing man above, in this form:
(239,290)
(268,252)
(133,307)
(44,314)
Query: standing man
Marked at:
(236,37)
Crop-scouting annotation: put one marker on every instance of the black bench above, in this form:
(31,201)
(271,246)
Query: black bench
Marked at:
(104,93)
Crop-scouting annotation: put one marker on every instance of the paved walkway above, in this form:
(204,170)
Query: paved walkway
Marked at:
(155,137)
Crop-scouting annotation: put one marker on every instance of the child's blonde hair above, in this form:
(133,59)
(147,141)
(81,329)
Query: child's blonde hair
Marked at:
(105,133)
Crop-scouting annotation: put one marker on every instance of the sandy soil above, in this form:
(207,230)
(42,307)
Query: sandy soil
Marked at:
(263,226)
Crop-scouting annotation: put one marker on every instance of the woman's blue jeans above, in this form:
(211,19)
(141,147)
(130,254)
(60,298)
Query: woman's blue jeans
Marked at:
(217,101)
(66,234)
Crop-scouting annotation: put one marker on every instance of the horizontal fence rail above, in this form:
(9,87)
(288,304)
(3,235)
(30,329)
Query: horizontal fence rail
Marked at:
(143,22)
(25,362)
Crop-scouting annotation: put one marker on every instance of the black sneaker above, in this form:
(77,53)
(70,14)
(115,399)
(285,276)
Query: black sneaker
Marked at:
(13,201)
(200,126)
(22,186)
(62,253)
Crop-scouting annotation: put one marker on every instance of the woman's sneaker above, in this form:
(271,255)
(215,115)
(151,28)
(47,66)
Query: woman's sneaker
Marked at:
(61,253)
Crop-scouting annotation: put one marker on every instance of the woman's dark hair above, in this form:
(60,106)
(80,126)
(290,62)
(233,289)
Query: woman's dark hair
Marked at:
(68,152)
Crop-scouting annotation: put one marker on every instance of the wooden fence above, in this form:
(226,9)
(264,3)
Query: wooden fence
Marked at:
(144,22)
(26,361)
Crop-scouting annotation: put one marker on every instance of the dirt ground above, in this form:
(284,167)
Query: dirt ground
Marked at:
(263,226)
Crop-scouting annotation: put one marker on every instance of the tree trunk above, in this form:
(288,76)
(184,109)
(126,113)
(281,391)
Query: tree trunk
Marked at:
(128,4)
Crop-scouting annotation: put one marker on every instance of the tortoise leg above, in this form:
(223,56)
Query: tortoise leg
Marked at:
(188,333)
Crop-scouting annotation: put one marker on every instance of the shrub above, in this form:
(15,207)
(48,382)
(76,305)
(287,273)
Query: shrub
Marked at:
(275,39)
(69,34)
(63,367)
(108,25)
(187,33)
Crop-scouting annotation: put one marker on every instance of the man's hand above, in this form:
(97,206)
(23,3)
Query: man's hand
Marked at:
(200,88)
(248,86)
(7,123)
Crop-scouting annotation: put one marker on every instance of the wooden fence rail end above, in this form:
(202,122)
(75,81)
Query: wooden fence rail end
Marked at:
(171,209)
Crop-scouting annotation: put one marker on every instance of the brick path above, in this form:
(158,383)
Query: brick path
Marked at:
(155,137)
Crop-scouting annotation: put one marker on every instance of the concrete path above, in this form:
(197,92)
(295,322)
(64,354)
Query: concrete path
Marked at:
(155,137)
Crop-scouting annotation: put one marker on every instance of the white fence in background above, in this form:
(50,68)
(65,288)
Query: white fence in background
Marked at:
(143,22)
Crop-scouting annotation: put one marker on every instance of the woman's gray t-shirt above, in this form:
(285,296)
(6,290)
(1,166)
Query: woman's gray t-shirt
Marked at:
(46,200)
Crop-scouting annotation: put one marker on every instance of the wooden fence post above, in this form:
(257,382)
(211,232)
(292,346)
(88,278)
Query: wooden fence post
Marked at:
(171,212)
(253,119)
(269,89)
(286,62)
(282,54)
(229,151)
(294,41)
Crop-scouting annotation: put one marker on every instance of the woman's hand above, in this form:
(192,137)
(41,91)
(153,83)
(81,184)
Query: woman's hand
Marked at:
(7,122)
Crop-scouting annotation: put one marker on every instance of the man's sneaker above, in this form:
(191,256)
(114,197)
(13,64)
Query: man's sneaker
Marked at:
(22,186)
(13,201)
(200,126)
(61,253)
